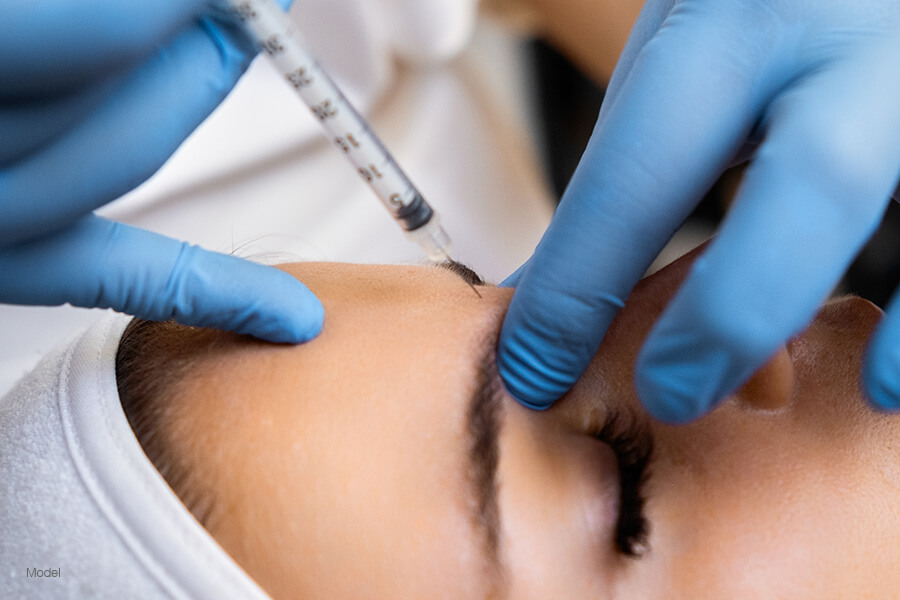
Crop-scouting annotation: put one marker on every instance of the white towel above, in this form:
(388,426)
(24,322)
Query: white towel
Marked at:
(83,512)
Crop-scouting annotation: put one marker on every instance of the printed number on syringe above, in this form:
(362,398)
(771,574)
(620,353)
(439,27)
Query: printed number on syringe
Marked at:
(299,78)
(324,110)
(371,174)
(346,144)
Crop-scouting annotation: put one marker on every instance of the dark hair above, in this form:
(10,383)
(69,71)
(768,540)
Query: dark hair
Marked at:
(152,360)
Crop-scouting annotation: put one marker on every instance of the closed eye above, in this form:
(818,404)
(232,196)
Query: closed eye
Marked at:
(633,447)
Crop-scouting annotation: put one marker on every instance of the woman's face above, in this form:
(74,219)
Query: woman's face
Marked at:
(360,464)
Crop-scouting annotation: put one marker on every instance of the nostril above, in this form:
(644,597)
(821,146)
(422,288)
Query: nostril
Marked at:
(772,386)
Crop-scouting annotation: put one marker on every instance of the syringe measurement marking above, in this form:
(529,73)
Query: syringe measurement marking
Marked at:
(273,45)
(371,173)
(324,110)
(328,108)
(245,11)
(346,143)
(299,78)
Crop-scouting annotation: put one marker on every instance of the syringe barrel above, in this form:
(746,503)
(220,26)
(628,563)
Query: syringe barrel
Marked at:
(277,36)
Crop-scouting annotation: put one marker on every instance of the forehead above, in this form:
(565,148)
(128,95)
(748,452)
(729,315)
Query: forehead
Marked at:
(354,443)
(400,328)
(362,281)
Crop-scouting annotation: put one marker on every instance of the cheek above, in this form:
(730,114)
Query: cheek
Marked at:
(751,548)
(763,510)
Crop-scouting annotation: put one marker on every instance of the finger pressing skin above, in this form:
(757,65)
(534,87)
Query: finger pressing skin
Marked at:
(881,369)
(680,115)
(100,263)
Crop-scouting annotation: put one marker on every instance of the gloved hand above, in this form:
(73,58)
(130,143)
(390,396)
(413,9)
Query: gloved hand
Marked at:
(815,83)
(94,97)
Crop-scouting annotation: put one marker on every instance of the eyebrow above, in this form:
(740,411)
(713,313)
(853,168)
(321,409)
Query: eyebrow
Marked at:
(484,419)
(465,272)
(483,426)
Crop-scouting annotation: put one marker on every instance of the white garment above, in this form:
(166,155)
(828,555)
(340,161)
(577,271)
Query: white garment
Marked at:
(82,504)
(258,177)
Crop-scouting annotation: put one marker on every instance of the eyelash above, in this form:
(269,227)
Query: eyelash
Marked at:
(633,448)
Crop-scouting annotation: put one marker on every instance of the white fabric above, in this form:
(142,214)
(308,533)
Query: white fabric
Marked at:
(258,178)
(80,498)
(431,30)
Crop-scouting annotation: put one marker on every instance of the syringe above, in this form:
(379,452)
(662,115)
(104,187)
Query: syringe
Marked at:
(268,25)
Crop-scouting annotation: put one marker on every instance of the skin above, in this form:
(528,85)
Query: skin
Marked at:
(339,466)
(591,33)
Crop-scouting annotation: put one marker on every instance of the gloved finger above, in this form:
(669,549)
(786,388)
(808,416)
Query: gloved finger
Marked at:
(27,126)
(653,14)
(648,22)
(679,117)
(881,367)
(100,263)
(813,195)
(54,44)
(124,140)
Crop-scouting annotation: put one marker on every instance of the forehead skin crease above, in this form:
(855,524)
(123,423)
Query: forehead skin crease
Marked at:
(355,442)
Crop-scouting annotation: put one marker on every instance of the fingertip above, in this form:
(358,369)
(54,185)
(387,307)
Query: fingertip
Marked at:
(547,342)
(678,385)
(668,403)
(526,377)
(522,390)
(227,292)
(293,315)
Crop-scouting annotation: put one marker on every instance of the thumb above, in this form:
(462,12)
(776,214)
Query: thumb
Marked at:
(100,263)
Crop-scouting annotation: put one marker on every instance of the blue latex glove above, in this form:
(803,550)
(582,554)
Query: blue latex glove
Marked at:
(95,95)
(815,83)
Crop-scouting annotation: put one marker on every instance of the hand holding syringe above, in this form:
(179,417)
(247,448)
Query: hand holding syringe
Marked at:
(271,28)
